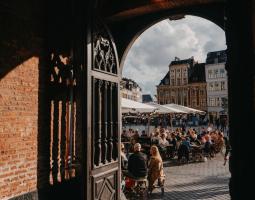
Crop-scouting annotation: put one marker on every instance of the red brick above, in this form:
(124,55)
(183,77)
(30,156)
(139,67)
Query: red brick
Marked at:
(18,128)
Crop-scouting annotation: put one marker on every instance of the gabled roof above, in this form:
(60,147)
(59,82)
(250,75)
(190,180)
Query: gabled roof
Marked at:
(216,57)
(165,80)
(185,61)
(197,73)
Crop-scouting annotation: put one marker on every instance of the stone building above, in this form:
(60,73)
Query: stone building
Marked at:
(184,84)
(217,88)
(129,89)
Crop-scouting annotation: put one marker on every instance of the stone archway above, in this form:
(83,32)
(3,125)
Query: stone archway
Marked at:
(239,55)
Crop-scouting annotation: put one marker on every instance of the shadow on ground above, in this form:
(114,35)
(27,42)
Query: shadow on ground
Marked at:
(207,188)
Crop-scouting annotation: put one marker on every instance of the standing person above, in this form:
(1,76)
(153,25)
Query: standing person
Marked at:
(217,123)
(184,125)
(223,124)
(228,150)
(155,168)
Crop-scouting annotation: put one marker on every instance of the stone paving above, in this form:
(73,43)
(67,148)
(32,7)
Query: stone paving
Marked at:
(199,180)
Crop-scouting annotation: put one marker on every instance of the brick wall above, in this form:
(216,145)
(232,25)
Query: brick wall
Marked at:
(18,129)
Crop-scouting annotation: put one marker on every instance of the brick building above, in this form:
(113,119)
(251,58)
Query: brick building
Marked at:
(184,84)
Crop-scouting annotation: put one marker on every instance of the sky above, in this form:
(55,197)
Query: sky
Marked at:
(150,55)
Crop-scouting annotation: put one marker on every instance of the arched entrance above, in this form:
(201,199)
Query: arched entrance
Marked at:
(133,19)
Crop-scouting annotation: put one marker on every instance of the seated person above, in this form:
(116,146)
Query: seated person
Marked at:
(124,134)
(130,133)
(137,163)
(184,148)
(156,137)
(163,144)
(124,160)
(173,148)
(155,168)
(136,136)
(144,134)
(173,141)
(132,144)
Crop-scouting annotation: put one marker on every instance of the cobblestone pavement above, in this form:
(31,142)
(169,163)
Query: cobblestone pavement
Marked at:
(201,180)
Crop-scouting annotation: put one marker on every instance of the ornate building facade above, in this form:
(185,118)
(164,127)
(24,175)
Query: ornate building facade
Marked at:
(217,88)
(129,89)
(184,84)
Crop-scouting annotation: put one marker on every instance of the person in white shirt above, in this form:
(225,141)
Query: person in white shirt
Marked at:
(163,141)
(209,129)
(155,139)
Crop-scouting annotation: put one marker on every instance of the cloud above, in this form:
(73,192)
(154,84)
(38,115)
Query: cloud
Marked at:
(148,59)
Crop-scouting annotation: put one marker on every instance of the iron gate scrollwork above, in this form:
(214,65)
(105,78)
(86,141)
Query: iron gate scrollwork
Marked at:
(104,58)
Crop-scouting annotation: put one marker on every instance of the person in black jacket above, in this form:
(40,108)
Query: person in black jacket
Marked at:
(137,163)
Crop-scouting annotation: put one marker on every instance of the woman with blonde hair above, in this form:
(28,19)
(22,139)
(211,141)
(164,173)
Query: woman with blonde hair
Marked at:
(155,168)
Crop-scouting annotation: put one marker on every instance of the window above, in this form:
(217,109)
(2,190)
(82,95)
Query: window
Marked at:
(211,88)
(172,82)
(203,102)
(160,94)
(216,73)
(211,101)
(210,75)
(178,81)
(218,101)
(222,73)
(216,84)
(222,85)
(185,81)
(178,73)
(192,92)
